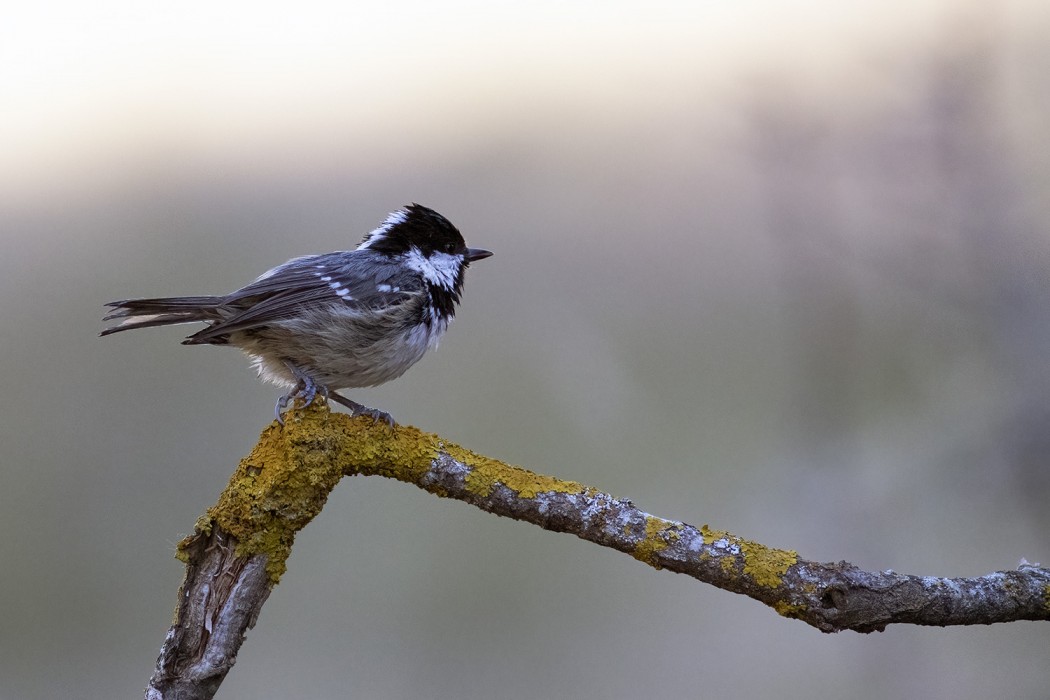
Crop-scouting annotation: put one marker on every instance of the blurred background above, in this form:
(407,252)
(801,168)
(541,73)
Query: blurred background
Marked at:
(780,268)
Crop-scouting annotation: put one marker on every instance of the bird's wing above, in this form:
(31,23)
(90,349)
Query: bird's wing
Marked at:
(360,279)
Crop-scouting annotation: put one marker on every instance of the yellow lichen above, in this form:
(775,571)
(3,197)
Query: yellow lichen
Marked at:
(485,473)
(285,481)
(788,610)
(711,536)
(275,491)
(659,534)
(765,565)
(728,564)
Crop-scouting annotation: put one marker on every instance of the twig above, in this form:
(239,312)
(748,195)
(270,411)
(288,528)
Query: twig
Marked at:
(241,544)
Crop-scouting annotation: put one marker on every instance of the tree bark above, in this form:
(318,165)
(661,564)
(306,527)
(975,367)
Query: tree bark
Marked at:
(239,548)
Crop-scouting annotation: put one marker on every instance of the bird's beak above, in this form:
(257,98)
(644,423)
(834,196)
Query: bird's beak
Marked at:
(477,254)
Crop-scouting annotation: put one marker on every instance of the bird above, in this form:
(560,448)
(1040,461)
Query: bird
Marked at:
(317,324)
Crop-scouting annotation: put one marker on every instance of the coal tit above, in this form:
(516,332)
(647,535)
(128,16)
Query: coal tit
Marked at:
(348,319)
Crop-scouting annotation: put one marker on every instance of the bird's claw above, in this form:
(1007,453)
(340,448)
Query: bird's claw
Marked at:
(376,415)
(307,390)
(357,409)
(281,404)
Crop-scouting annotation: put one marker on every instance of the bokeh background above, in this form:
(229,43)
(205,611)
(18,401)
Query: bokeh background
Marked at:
(781,268)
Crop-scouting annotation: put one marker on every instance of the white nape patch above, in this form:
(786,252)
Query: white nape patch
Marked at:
(393,219)
(440,268)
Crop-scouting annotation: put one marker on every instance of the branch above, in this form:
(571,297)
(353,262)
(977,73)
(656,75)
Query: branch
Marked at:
(240,546)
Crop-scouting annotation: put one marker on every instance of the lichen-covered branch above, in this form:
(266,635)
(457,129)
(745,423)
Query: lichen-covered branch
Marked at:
(242,543)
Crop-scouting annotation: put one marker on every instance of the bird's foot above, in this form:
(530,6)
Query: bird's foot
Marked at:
(357,409)
(306,390)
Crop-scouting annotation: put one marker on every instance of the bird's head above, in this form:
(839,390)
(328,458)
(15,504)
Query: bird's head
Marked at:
(427,242)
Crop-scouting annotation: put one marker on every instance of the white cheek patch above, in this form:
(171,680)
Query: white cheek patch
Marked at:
(440,268)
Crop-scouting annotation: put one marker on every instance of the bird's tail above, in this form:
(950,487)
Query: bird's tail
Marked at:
(145,313)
